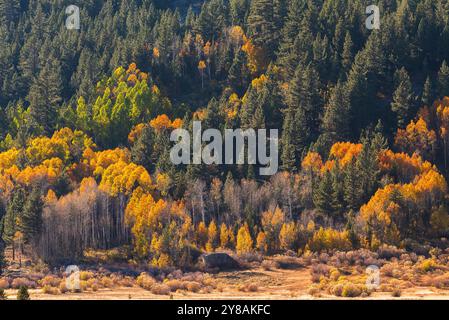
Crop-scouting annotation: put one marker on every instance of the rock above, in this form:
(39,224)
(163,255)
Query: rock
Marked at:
(221,261)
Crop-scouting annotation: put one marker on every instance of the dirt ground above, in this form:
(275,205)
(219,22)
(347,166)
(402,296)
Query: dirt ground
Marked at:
(272,285)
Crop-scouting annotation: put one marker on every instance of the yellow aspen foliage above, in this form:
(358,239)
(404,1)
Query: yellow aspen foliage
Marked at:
(202,65)
(261,242)
(42,148)
(417,137)
(237,35)
(163,122)
(48,171)
(156,53)
(329,239)
(212,231)
(8,158)
(258,83)
(202,235)
(287,236)
(207,49)
(135,133)
(345,152)
(312,162)
(98,162)
(199,114)
(244,240)
(404,166)
(257,60)
(163,183)
(51,197)
(122,178)
(224,236)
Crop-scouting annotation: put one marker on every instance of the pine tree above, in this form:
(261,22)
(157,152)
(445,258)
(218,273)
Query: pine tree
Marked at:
(443,80)
(403,98)
(31,218)
(324,197)
(352,186)
(142,149)
(262,26)
(347,55)
(238,73)
(301,118)
(13,213)
(238,10)
(337,115)
(45,96)
(428,95)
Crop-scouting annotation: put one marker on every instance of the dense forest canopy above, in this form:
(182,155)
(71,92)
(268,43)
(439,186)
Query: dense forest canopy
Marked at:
(86,116)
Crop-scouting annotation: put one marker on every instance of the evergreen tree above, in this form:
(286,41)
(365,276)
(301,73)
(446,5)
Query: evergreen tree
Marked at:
(337,115)
(403,98)
(443,80)
(347,55)
(262,26)
(23,294)
(324,197)
(45,96)
(13,214)
(31,218)
(142,149)
(352,186)
(301,117)
(428,95)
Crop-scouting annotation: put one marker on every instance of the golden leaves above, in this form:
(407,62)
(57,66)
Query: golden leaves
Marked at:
(163,122)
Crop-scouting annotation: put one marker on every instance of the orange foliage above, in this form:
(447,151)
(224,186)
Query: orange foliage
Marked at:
(312,161)
(345,151)
(416,138)
(163,122)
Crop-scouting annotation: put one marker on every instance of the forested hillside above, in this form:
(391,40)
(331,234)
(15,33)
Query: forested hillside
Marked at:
(86,117)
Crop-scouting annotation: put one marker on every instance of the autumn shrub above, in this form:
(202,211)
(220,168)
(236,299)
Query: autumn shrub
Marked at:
(48,289)
(427,265)
(50,281)
(86,275)
(388,252)
(145,281)
(248,287)
(63,286)
(321,269)
(284,262)
(193,286)
(4,283)
(160,289)
(23,282)
(175,285)
(351,290)
(440,282)
(107,282)
(336,289)
(126,282)
(334,275)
